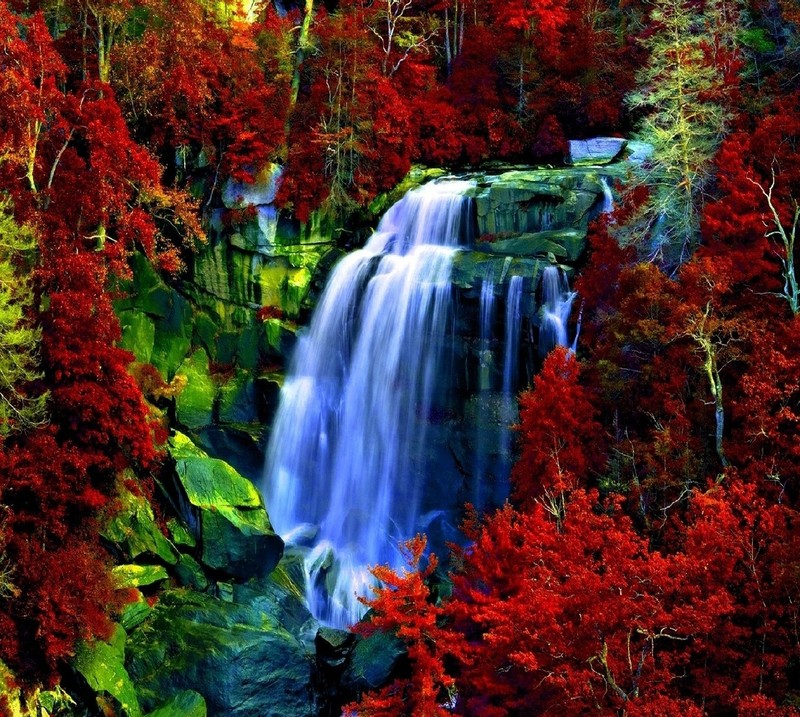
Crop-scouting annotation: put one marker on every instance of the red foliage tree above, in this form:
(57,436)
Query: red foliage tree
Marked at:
(93,195)
(576,612)
(559,436)
(351,134)
(759,183)
(404,607)
(189,82)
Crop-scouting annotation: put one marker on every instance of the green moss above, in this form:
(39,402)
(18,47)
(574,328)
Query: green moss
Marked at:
(566,244)
(134,576)
(235,655)
(135,613)
(138,334)
(190,573)
(237,399)
(133,529)
(185,704)
(195,403)
(180,535)
(237,537)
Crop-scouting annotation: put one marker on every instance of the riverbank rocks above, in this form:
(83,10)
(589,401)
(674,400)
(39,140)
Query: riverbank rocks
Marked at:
(238,657)
(226,513)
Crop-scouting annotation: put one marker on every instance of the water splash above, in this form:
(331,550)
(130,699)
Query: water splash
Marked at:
(346,450)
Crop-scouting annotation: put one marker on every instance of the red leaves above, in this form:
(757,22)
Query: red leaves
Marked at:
(571,612)
(560,439)
(77,176)
(404,607)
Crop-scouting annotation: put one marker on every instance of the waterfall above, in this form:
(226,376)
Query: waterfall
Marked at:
(608,196)
(486,318)
(344,464)
(512,334)
(556,306)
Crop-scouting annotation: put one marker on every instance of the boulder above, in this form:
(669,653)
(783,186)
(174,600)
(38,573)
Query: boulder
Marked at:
(595,151)
(133,530)
(135,613)
(138,334)
(536,200)
(231,523)
(238,657)
(373,663)
(565,244)
(135,576)
(102,665)
(190,573)
(638,152)
(173,335)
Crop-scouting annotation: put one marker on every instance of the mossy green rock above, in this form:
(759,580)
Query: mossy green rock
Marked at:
(133,529)
(190,573)
(102,665)
(180,534)
(470,268)
(173,335)
(135,613)
(237,401)
(536,200)
(234,530)
(138,334)
(195,403)
(185,704)
(134,576)
(236,656)
(565,244)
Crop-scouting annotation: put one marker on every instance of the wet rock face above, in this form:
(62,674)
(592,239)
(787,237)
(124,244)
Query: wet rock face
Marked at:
(235,654)
(226,514)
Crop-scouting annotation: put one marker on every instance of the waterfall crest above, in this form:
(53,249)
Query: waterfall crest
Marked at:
(345,452)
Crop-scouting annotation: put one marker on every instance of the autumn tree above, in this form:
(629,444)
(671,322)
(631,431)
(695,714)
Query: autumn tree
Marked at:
(559,436)
(403,606)
(93,196)
(350,134)
(757,215)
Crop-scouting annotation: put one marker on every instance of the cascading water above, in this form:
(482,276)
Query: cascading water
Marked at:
(487,318)
(556,306)
(608,196)
(513,298)
(345,453)
(482,442)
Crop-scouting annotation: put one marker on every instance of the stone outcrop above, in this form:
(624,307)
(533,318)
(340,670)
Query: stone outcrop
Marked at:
(595,151)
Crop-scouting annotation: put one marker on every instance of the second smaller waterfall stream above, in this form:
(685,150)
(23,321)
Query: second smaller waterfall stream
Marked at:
(556,307)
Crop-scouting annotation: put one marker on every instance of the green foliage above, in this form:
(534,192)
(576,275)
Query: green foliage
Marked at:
(19,342)
(682,92)
(756,39)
